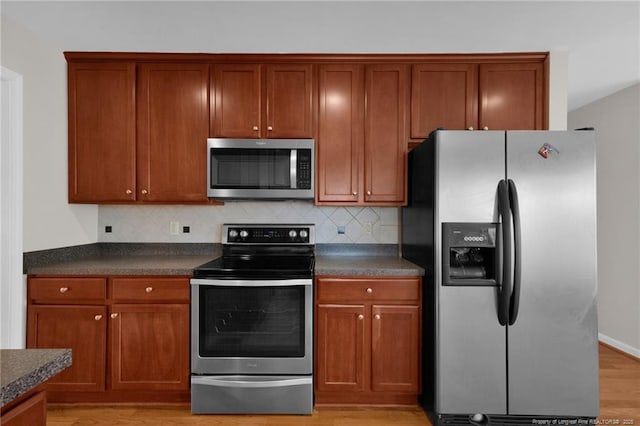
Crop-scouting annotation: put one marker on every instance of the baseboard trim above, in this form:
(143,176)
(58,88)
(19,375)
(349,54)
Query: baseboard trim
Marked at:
(618,345)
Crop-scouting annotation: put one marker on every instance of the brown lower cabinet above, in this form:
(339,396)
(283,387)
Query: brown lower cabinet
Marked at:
(367,340)
(28,410)
(129,336)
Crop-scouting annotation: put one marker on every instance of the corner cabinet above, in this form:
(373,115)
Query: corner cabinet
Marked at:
(262,101)
(362,134)
(367,340)
(112,325)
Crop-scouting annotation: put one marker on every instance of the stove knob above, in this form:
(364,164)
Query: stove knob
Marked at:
(233,233)
(293,233)
(303,233)
(244,234)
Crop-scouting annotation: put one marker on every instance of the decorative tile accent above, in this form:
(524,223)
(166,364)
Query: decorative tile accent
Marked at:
(149,223)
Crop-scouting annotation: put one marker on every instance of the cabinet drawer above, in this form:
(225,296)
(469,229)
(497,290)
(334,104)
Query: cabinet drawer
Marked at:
(365,289)
(142,290)
(67,290)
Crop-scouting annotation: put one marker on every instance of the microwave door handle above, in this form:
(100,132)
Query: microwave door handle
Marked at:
(293,169)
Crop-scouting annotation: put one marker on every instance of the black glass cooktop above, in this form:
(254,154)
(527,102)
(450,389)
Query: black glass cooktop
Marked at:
(257,266)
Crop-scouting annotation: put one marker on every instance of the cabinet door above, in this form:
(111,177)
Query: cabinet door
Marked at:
(102,132)
(511,96)
(443,95)
(340,343)
(31,412)
(395,348)
(173,126)
(340,132)
(289,109)
(81,328)
(149,346)
(236,94)
(385,148)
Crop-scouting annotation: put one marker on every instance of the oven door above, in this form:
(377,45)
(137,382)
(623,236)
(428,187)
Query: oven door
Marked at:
(251,326)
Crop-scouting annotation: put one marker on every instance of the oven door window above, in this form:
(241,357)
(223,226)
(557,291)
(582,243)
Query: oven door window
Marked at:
(252,321)
(250,168)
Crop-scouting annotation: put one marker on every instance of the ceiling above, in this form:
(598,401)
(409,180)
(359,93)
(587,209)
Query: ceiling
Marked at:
(601,39)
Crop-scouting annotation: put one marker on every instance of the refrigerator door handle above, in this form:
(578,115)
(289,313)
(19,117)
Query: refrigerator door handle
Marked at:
(504,293)
(515,295)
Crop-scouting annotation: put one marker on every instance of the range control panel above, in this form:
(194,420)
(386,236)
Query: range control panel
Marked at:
(268,234)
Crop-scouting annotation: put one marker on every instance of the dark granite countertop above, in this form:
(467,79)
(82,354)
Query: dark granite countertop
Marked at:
(365,265)
(121,259)
(181,259)
(23,369)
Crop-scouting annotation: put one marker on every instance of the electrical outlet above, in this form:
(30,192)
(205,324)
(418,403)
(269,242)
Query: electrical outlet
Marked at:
(108,229)
(186,229)
(174,228)
(367,228)
(341,230)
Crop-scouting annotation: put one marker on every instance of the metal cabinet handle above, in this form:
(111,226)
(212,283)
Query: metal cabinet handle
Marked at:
(377,316)
(114,315)
(369,290)
(64,289)
(144,191)
(97,317)
(128,191)
(368,192)
(360,317)
(485,128)
(470,128)
(255,128)
(355,193)
(269,128)
(148,289)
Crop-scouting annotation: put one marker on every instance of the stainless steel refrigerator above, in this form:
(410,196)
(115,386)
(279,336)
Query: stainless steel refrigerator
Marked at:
(504,224)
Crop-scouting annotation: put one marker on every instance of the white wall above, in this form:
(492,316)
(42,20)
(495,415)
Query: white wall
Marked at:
(615,119)
(49,221)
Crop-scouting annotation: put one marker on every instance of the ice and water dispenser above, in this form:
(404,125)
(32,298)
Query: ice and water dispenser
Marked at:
(470,254)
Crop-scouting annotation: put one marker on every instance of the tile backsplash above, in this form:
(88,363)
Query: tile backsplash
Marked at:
(150,223)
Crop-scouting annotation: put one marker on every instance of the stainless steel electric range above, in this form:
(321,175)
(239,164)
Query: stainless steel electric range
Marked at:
(252,322)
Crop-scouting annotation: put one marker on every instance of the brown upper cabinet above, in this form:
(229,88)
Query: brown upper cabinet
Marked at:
(138,122)
(137,135)
(362,133)
(102,131)
(458,96)
(173,107)
(511,96)
(262,101)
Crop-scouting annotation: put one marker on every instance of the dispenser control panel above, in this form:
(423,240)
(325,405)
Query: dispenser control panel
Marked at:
(469,256)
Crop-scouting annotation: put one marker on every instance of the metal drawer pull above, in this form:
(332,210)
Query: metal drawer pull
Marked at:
(255,127)
(377,316)
(360,317)
(369,290)
(114,315)
(64,289)
(97,317)
(148,289)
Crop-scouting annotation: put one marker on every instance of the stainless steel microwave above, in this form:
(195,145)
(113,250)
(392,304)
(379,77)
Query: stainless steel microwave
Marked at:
(260,168)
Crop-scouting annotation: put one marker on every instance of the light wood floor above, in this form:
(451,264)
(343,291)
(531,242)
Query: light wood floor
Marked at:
(619,406)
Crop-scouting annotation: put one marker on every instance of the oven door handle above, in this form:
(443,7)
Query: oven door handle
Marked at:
(249,382)
(251,283)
